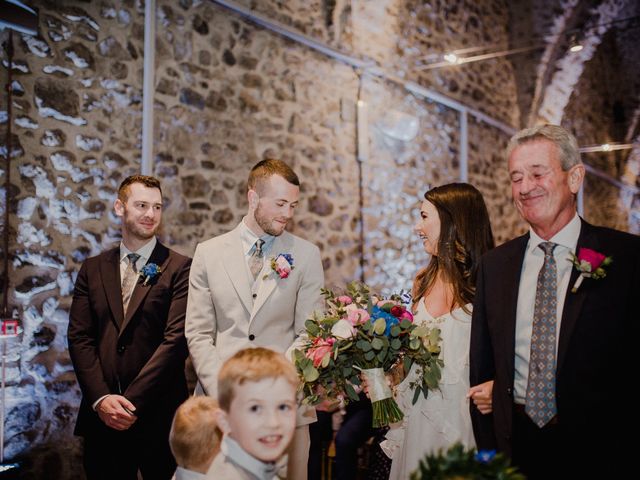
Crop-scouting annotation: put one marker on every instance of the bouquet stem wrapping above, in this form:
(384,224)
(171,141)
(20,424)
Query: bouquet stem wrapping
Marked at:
(385,408)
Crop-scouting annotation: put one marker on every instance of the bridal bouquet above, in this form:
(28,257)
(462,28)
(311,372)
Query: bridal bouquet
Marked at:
(363,333)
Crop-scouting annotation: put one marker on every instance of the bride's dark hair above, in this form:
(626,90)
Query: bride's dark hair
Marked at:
(465,234)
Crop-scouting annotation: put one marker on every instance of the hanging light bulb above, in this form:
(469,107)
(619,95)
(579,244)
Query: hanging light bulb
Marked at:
(452,58)
(574,44)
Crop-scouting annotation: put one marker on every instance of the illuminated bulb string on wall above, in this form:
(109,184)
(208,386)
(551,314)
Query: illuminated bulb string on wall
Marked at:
(471,54)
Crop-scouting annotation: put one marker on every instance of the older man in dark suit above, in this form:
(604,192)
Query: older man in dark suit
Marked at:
(562,358)
(126,341)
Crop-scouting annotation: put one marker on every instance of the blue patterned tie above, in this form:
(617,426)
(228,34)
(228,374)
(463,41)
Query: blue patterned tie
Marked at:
(541,388)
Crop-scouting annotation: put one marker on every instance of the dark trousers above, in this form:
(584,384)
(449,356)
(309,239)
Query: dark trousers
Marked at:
(321,434)
(111,454)
(535,450)
(356,429)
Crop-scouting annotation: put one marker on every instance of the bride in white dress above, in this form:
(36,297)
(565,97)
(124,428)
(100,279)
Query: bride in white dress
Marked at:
(455,231)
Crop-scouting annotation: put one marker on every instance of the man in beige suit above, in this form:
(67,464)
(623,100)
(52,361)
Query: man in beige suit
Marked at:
(255,286)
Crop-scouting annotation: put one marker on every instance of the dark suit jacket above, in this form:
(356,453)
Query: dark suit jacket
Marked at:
(596,352)
(140,356)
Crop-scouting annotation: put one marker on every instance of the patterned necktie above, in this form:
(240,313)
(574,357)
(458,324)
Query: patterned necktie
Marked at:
(541,388)
(129,279)
(255,260)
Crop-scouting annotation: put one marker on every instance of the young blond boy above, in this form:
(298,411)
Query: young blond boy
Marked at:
(257,397)
(195,437)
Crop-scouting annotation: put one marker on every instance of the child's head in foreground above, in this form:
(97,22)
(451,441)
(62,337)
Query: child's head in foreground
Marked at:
(257,397)
(194,437)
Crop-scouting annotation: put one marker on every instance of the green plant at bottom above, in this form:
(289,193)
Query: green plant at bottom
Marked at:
(460,463)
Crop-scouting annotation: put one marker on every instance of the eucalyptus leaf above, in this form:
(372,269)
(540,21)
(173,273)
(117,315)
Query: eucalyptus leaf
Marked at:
(325,360)
(311,374)
(376,344)
(379,326)
(351,393)
(406,364)
(312,327)
(416,394)
(364,345)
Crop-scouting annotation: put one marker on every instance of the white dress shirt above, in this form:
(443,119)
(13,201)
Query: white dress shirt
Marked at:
(144,252)
(566,240)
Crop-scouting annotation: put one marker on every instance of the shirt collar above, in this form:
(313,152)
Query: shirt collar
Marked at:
(184,474)
(566,237)
(144,252)
(234,452)
(249,239)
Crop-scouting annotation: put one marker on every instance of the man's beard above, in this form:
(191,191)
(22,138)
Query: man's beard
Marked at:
(135,230)
(265,223)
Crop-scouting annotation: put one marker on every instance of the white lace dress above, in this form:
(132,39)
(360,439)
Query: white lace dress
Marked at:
(443,417)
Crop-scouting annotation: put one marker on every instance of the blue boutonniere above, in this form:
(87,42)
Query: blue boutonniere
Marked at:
(149,272)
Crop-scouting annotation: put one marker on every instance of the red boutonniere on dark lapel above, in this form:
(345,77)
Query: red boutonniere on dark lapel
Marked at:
(149,273)
(590,264)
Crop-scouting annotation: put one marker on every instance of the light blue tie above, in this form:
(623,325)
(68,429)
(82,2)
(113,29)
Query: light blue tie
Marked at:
(540,404)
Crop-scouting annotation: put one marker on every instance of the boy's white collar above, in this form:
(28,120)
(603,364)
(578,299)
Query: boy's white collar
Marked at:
(234,452)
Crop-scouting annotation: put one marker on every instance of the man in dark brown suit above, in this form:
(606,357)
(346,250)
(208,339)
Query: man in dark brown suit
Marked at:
(126,341)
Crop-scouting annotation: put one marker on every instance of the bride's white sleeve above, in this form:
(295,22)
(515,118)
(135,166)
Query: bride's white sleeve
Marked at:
(404,398)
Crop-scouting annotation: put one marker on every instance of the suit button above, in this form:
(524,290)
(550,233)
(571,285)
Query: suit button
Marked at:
(509,391)
(121,349)
(255,295)
(252,337)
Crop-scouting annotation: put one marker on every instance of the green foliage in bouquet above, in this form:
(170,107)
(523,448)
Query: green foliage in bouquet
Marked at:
(459,463)
(358,331)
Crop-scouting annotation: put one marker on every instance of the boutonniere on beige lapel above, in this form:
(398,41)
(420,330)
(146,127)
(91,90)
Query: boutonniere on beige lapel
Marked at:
(149,272)
(590,264)
(282,264)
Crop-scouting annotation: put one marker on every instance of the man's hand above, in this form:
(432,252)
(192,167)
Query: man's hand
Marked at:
(481,396)
(116,412)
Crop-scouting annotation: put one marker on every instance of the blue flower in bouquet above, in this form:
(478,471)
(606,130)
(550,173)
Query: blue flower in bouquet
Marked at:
(149,272)
(485,456)
(390,320)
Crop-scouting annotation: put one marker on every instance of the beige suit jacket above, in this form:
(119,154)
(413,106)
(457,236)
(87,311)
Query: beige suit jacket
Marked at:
(223,317)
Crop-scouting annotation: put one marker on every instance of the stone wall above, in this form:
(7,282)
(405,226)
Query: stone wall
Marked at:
(77,122)
(227,94)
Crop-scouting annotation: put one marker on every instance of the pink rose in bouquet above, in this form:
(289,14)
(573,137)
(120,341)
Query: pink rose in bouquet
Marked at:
(319,349)
(357,316)
(344,299)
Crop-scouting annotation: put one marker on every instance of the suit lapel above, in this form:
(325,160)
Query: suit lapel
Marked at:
(573,301)
(511,276)
(234,262)
(282,244)
(159,256)
(110,275)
